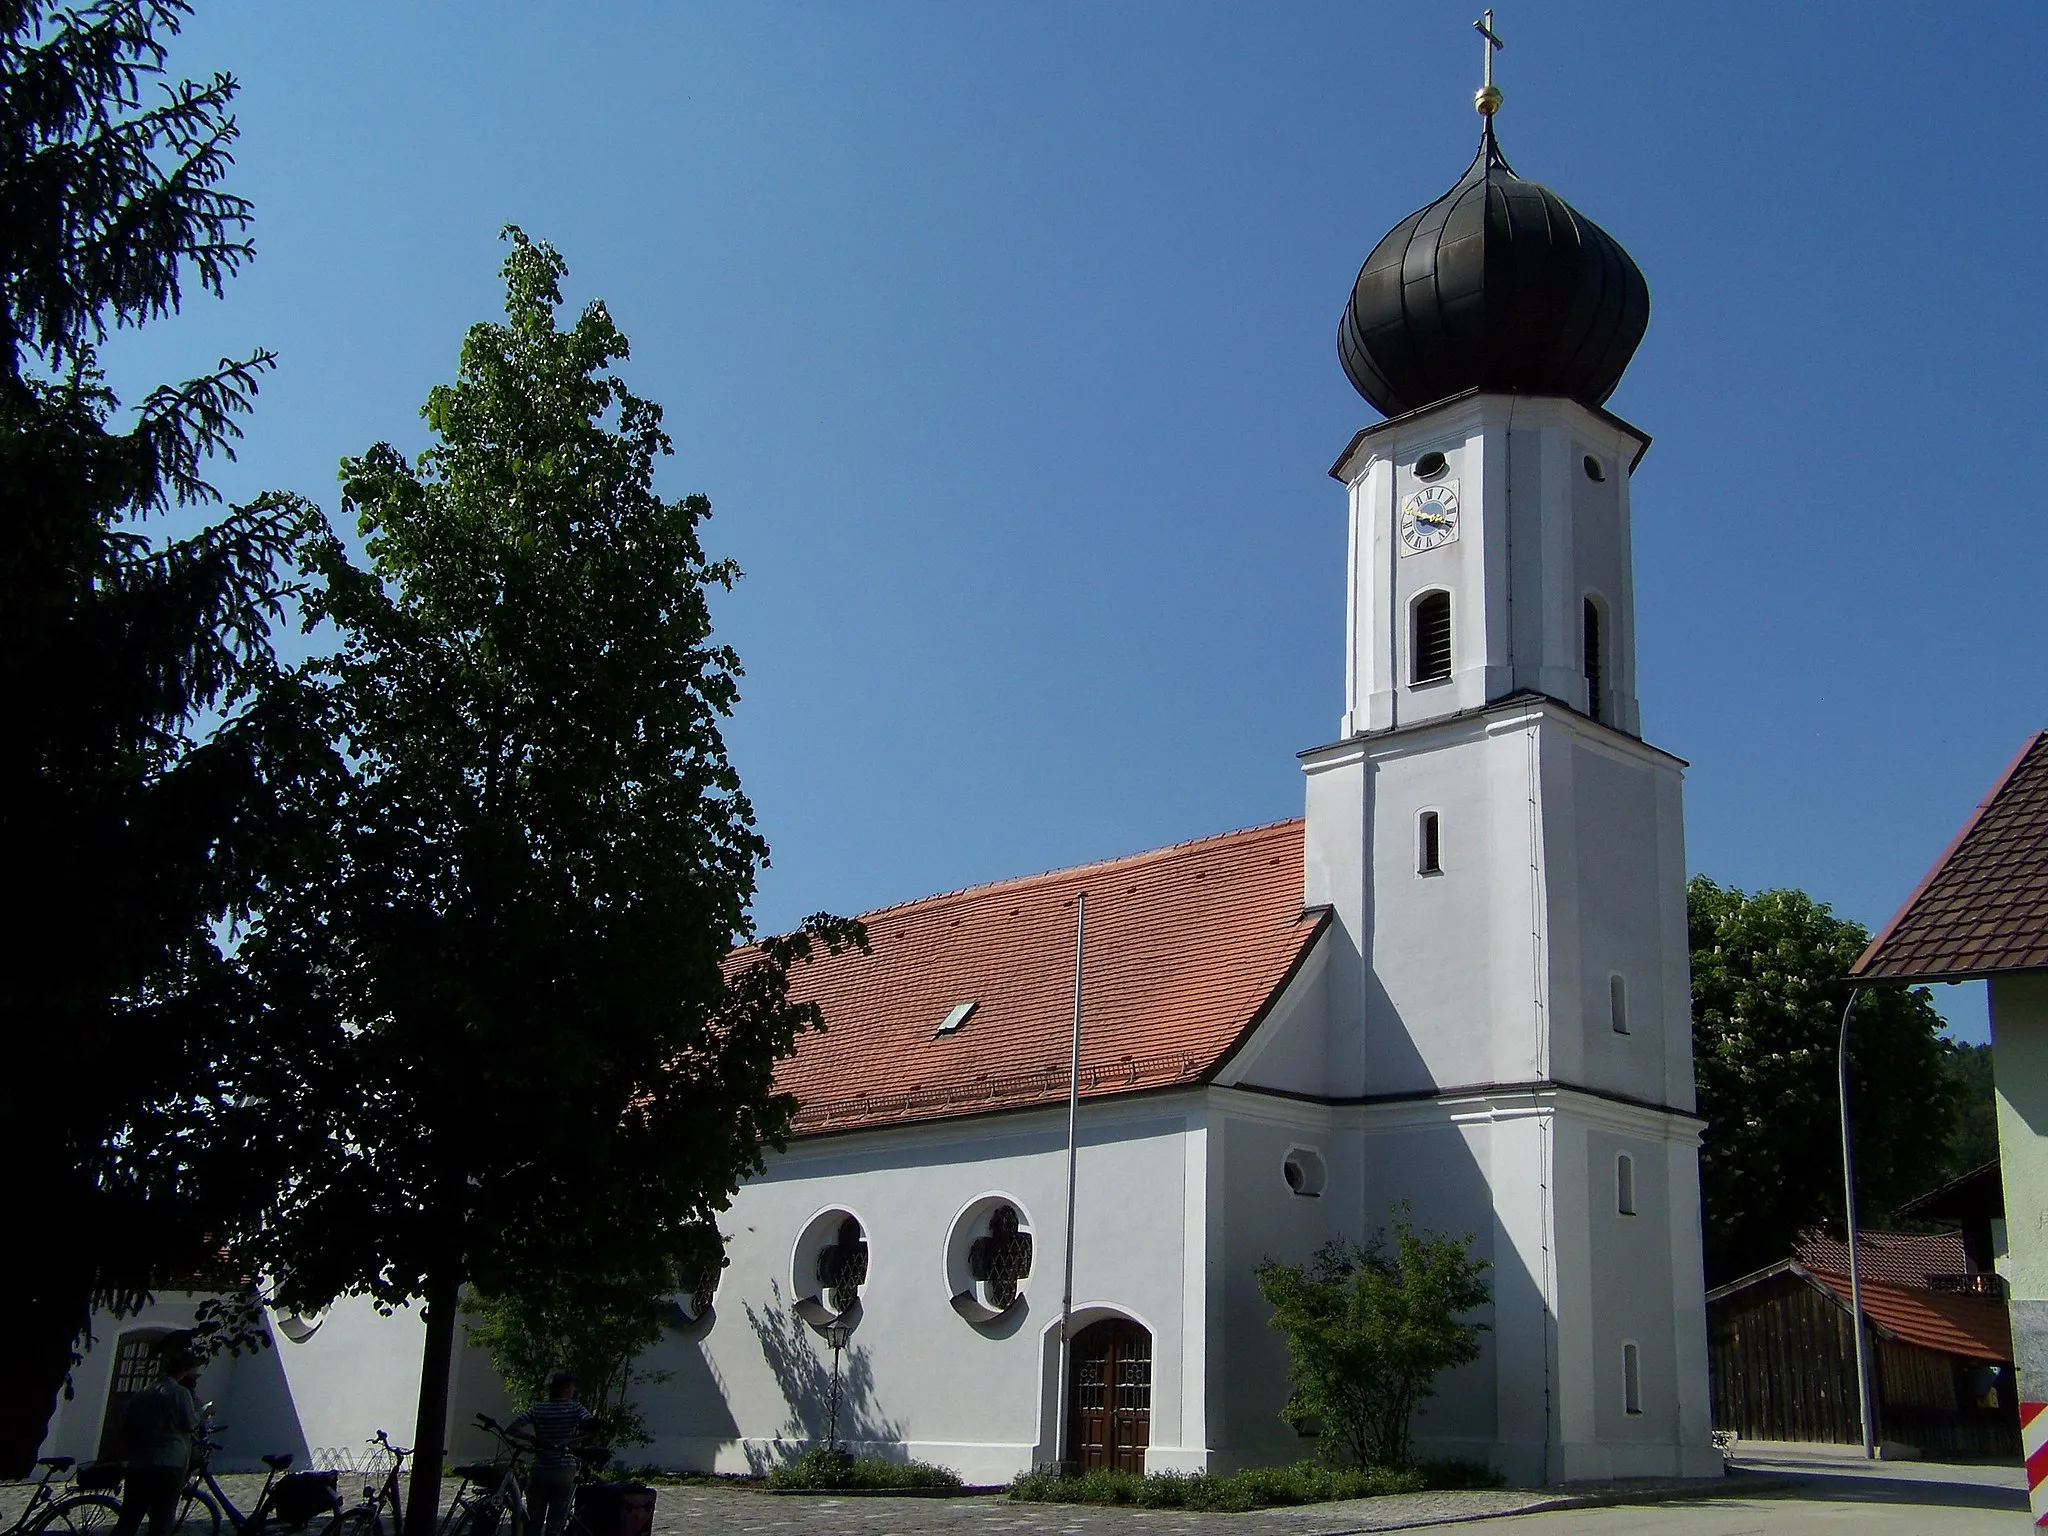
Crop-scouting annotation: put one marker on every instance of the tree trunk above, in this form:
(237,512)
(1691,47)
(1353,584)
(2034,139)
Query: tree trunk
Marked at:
(51,1306)
(437,1364)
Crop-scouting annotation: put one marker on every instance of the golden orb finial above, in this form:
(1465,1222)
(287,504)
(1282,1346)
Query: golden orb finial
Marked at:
(1486,100)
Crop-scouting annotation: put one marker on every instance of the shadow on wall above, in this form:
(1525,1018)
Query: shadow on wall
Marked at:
(802,1367)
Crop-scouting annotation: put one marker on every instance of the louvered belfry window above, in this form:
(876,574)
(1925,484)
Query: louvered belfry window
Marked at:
(1432,639)
(1596,683)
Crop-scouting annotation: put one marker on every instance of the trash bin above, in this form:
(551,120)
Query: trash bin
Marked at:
(615,1509)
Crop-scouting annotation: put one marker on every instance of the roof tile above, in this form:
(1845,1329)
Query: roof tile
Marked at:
(1983,908)
(1186,947)
(1975,1327)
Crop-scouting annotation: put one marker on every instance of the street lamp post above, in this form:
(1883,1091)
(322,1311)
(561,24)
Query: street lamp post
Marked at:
(1849,1216)
(836,1334)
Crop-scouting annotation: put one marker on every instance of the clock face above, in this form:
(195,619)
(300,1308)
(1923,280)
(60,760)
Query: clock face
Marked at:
(1429,517)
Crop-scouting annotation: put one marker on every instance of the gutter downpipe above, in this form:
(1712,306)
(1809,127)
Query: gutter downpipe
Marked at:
(1849,1212)
(1059,1456)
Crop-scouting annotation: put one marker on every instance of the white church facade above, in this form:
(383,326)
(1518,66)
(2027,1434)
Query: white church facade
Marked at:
(1459,981)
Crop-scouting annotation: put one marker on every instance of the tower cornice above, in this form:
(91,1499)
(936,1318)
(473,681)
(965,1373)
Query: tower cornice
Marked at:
(1394,425)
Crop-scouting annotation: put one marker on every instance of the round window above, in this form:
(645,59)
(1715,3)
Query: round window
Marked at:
(1305,1172)
(1594,469)
(989,1255)
(1430,465)
(829,1267)
(696,1290)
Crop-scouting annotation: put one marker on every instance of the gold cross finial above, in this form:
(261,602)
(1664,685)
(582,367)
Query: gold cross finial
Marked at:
(1488,98)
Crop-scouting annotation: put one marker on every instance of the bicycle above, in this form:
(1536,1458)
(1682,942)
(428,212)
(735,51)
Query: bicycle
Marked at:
(476,1507)
(490,1491)
(87,1510)
(205,1501)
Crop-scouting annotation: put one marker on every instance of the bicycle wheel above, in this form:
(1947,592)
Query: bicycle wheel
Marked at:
(82,1514)
(198,1515)
(484,1517)
(363,1520)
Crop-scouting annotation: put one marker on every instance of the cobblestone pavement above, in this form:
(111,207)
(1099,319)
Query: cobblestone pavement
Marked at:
(713,1511)
(1788,1494)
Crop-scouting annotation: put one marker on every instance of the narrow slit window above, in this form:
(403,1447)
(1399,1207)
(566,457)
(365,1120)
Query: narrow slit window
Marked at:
(1631,1379)
(1617,1003)
(1429,844)
(1431,651)
(1625,1185)
(1596,677)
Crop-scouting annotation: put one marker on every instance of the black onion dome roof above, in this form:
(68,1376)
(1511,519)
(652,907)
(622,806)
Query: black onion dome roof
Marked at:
(1499,285)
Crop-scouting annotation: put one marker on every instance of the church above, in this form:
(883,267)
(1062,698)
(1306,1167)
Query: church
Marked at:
(1458,981)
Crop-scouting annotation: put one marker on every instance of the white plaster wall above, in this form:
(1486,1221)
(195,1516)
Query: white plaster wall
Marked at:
(1536,535)
(1622,1279)
(1261,1218)
(1291,1049)
(318,1401)
(1615,888)
(918,1379)
(1442,1157)
(1450,972)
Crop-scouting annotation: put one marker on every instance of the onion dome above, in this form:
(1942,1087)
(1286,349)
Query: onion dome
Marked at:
(1498,285)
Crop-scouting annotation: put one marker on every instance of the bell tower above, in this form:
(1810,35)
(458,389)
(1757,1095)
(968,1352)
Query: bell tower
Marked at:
(1508,998)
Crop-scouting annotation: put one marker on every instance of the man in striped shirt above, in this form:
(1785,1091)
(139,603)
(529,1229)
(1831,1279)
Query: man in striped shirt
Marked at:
(552,1428)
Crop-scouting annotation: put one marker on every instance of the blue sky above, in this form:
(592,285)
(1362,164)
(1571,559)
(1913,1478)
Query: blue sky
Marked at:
(1001,338)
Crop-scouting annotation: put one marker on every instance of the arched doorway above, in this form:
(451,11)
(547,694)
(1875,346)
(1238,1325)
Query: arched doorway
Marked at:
(1110,1406)
(135,1367)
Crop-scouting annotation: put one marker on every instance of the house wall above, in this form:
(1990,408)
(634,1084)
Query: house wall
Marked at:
(2019,1037)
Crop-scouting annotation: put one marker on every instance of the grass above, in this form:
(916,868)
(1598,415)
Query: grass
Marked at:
(816,1467)
(1306,1482)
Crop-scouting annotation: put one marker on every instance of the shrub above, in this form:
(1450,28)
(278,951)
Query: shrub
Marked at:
(1305,1482)
(816,1467)
(1368,1330)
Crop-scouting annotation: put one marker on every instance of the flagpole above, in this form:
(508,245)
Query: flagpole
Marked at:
(1073,1126)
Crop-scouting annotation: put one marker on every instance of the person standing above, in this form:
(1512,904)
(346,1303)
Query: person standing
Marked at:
(552,1427)
(158,1431)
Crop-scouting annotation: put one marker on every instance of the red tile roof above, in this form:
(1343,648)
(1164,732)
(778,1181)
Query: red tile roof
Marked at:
(1896,1258)
(1975,1327)
(1187,947)
(1983,908)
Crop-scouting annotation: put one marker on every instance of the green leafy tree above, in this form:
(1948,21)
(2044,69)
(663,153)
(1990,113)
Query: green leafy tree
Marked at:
(1770,977)
(1974,1141)
(495,954)
(1369,1329)
(596,1326)
(122,804)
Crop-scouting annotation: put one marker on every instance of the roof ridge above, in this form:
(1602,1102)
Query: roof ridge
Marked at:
(1046,877)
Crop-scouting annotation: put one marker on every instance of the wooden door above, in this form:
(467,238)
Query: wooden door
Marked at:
(135,1367)
(1111,1406)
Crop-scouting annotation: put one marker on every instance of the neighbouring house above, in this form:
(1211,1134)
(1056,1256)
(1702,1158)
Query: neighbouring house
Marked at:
(1784,1363)
(1973,1203)
(1981,913)
(1919,1261)
(1781,1361)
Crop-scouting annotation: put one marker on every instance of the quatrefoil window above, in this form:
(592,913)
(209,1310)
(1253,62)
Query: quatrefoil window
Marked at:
(1002,1258)
(843,1267)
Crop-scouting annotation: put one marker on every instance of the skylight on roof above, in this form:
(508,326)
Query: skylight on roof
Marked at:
(960,1015)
